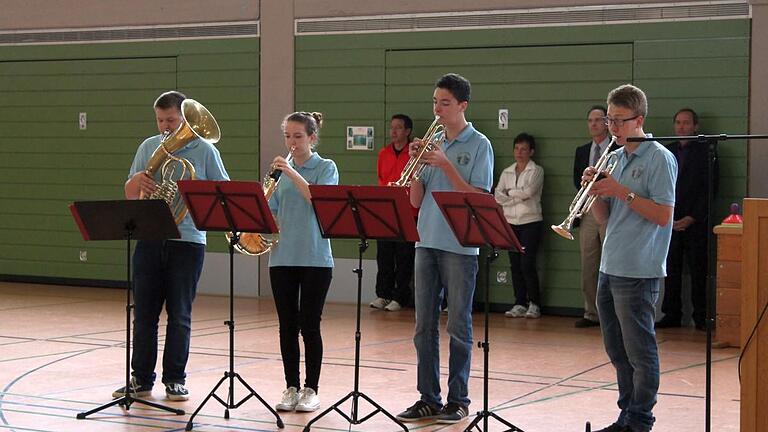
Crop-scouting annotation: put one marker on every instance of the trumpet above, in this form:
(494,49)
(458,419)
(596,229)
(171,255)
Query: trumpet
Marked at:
(255,244)
(416,165)
(583,201)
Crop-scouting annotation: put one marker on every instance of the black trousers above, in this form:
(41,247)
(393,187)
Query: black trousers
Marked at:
(686,247)
(395,262)
(299,294)
(525,278)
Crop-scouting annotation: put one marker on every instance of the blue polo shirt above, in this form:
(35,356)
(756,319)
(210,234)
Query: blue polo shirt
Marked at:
(208,166)
(472,155)
(635,247)
(301,243)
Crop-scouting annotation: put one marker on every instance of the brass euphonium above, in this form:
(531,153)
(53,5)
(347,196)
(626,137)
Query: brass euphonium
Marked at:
(583,201)
(416,165)
(197,122)
(255,244)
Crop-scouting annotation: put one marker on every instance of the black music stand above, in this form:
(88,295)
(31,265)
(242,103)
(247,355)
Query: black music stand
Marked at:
(235,207)
(125,220)
(365,213)
(477,220)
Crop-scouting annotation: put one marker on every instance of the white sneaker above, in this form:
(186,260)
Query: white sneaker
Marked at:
(533,311)
(308,400)
(289,400)
(393,306)
(380,303)
(517,311)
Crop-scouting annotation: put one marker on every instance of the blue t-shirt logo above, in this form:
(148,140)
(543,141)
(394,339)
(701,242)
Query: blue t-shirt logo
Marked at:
(462,158)
(637,172)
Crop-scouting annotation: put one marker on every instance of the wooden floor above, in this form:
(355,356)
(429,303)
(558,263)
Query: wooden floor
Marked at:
(62,352)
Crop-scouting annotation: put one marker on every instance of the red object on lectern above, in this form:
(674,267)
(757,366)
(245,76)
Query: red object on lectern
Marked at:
(735,216)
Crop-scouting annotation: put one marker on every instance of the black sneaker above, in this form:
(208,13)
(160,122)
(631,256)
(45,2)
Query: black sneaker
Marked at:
(584,323)
(452,413)
(419,411)
(136,389)
(176,392)
(615,428)
(668,322)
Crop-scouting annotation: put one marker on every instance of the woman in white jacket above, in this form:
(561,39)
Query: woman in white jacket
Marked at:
(519,193)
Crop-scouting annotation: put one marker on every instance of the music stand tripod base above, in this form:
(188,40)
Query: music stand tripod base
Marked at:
(361,212)
(233,207)
(125,220)
(477,220)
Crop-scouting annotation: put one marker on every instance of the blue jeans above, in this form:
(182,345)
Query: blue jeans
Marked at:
(164,272)
(435,269)
(626,307)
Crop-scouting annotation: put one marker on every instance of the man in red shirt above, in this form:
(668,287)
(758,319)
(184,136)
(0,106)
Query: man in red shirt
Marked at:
(394,259)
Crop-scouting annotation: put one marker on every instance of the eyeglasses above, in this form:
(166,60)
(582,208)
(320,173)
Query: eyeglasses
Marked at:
(618,122)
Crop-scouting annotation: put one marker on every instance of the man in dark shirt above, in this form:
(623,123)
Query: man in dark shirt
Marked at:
(690,225)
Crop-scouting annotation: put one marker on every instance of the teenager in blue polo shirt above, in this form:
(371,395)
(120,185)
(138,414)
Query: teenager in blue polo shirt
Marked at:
(166,272)
(301,265)
(464,162)
(637,202)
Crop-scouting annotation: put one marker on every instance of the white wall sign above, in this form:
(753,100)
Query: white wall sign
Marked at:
(359,137)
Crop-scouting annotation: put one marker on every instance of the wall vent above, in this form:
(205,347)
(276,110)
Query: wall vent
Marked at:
(132,34)
(564,16)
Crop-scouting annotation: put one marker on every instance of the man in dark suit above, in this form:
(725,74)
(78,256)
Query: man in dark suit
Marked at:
(591,233)
(690,225)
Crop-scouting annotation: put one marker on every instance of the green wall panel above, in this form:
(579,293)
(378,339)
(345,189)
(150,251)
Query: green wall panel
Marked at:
(46,161)
(547,78)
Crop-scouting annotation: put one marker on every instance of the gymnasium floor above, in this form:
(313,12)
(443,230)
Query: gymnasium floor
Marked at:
(62,352)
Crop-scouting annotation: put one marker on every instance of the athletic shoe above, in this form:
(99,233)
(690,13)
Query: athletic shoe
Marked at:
(615,428)
(176,392)
(308,400)
(668,322)
(393,306)
(136,389)
(418,411)
(584,323)
(533,311)
(517,311)
(379,303)
(289,400)
(452,413)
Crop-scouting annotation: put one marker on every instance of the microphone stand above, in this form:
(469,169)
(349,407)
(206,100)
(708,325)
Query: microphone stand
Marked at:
(711,141)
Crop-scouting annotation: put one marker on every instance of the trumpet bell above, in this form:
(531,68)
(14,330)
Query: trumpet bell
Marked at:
(562,231)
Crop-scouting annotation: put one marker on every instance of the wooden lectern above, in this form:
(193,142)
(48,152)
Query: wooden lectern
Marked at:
(728,327)
(754,288)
